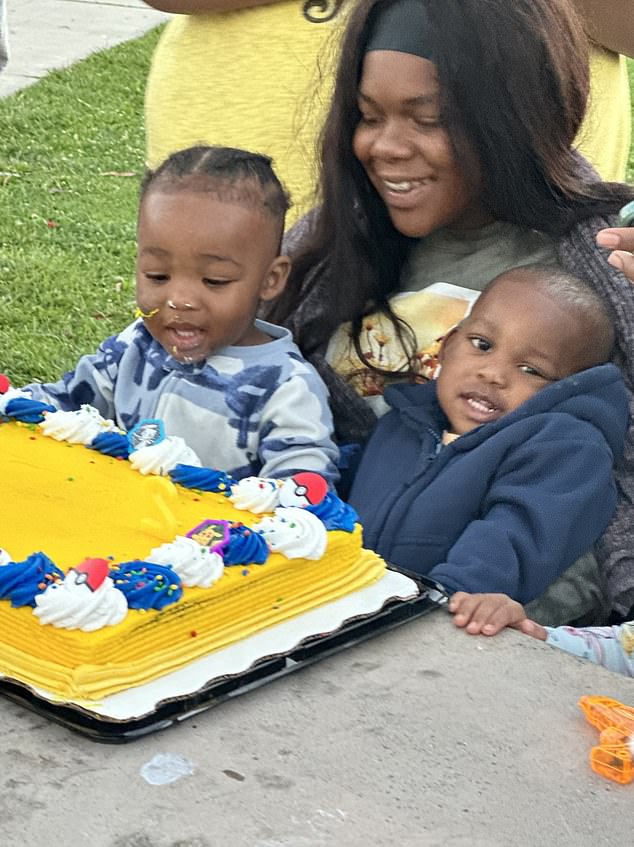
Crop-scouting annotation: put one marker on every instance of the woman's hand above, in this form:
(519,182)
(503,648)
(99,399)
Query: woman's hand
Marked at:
(487,614)
(621,242)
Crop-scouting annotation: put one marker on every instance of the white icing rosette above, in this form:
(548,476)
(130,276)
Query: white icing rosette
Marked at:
(162,457)
(295,533)
(72,605)
(256,494)
(12,394)
(196,565)
(79,427)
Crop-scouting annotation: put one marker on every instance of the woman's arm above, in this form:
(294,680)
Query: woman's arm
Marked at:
(197,7)
(609,23)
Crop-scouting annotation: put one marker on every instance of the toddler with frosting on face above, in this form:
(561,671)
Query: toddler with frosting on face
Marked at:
(235,388)
(498,475)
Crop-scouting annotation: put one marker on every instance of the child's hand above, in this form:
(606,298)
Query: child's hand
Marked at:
(532,628)
(487,614)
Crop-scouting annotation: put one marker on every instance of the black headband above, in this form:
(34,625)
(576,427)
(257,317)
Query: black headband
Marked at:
(403,27)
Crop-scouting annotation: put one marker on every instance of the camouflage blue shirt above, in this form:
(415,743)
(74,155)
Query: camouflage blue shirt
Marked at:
(249,411)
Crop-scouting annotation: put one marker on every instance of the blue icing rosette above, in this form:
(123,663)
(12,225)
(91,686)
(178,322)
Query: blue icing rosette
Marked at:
(202,479)
(26,410)
(334,513)
(245,547)
(112,444)
(146,585)
(21,581)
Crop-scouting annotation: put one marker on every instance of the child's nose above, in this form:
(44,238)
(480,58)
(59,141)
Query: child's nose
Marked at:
(181,296)
(493,371)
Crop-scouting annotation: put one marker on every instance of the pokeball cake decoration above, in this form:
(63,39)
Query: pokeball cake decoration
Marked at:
(303,489)
(86,599)
(91,573)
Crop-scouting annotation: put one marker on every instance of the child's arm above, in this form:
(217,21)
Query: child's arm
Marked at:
(92,381)
(487,614)
(298,427)
(608,646)
(550,499)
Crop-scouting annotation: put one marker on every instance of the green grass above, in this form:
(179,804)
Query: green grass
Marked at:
(67,223)
(630,169)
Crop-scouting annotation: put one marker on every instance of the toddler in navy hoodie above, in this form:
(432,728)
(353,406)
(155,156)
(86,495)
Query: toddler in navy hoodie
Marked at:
(498,475)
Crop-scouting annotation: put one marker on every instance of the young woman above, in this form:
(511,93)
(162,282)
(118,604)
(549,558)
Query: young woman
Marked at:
(258,74)
(447,157)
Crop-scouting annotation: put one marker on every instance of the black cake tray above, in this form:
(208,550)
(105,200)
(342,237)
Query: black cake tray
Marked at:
(171,710)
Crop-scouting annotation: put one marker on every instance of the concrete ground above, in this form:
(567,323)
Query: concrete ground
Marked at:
(422,736)
(48,34)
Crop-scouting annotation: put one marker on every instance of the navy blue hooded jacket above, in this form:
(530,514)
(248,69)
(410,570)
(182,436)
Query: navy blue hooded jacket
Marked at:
(508,506)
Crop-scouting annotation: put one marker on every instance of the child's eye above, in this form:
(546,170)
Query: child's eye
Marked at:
(155,277)
(480,343)
(531,371)
(214,283)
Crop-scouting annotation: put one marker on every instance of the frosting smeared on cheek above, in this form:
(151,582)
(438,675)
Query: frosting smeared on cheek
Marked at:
(139,313)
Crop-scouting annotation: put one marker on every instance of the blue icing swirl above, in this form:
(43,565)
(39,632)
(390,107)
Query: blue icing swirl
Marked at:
(203,479)
(334,513)
(112,444)
(146,585)
(245,547)
(27,410)
(21,581)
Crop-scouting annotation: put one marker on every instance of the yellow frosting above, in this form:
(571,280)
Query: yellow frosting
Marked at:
(71,503)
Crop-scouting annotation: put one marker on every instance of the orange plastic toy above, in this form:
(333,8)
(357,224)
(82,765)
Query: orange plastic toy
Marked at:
(612,757)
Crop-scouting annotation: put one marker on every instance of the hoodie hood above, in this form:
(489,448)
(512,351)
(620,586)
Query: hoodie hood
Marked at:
(596,395)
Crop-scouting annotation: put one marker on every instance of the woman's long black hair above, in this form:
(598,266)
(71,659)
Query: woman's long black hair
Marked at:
(514,82)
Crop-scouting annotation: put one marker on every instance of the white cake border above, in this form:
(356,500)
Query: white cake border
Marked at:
(142,700)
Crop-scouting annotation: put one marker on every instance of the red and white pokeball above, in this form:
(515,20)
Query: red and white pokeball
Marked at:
(303,489)
(91,573)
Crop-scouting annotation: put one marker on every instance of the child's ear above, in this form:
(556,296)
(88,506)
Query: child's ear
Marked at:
(447,341)
(275,279)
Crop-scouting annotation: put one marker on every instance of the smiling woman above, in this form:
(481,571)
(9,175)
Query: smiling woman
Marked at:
(448,157)
(403,145)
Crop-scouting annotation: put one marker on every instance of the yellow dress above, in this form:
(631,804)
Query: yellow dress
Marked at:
(259,78)
(604,138)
